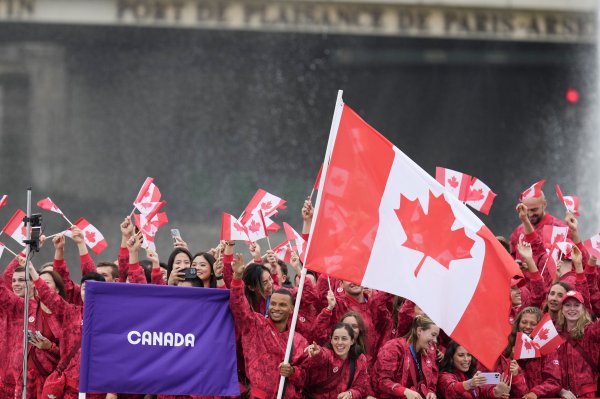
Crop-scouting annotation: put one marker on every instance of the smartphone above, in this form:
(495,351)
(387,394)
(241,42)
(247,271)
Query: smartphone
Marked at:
(39,335)
(175,234)
(491,378)
(190,273)
(29,335)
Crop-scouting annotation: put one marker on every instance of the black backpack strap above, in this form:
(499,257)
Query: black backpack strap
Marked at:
(352,371)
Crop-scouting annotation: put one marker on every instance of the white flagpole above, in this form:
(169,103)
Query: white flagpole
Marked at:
(67,219)
(337,115)
(10,250)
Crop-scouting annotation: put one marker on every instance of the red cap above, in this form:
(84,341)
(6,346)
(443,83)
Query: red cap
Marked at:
(572,294)
(517,282)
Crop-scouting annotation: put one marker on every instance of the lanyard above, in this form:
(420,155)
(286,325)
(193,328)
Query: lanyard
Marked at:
(417,362)
(267,307)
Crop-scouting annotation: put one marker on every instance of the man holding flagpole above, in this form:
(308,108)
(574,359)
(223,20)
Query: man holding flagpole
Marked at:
(264,340)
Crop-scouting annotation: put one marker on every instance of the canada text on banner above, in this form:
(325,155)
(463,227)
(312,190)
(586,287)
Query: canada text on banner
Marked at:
(128,332)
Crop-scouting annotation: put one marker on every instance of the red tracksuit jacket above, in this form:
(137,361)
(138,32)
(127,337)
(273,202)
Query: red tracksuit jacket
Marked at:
(577,374)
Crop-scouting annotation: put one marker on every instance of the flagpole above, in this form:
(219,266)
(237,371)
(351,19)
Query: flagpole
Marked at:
(337,115)
(67,219)
(10,250)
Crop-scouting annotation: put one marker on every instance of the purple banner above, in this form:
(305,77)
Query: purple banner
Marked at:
(152,339)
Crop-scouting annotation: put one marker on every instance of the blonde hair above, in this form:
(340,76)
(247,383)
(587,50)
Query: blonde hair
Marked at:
(579,329)
(422,322)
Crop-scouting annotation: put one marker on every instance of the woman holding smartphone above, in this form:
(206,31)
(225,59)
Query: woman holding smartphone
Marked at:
(459,377)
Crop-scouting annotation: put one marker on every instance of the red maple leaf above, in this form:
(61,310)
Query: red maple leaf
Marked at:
(568,202)
(453,182)
(90,236)
(527,345)
(543,334)
(475,195)
(266,205)
(558,238)
(238,227)
(254,226)
(146,205)
(430,233)
(337,180)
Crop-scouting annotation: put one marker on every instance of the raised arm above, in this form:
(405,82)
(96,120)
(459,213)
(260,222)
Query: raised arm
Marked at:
(123,257)
(135,272)
(242,313)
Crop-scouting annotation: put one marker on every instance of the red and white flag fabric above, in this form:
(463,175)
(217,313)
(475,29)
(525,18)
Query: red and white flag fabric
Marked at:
(525,347)
(394,228)
(571,202)
(146,207)
(255,227)
(15,227)
(456,182)
(3,200)
(545,335)
(593,245)
(91,235)
(149,229)
(2,247)
(535,191)
(265,202)
(148,193)
(480,196)
(232,229)
(553,234)
(49,205)
(283,251)
(293,237)
(558,251)
(271,225)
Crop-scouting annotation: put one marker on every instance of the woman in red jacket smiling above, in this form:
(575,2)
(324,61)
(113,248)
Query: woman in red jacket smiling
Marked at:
(339,369)
(406,367)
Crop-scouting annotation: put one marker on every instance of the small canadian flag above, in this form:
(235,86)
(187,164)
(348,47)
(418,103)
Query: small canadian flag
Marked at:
(535,191)
(265,202)
(525,347)
(15,227)
(559,250)
(283,251)
(480,196)
(148,193)
(232,229)
(571,202)
(149,229)
(546,336)
(3,200)
(49,205)
(553,234)
(593,245)
(293,237)
(456,182)
(255,226)
(92,236)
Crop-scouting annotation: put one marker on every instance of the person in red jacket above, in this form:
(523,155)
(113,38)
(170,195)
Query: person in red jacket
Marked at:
(459,377)
(264,340)
(579,355)
(534,208)
(339,369)
(542,374)
(406,367)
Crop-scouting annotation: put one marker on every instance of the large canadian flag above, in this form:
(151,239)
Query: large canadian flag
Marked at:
(381,221)
(15,227)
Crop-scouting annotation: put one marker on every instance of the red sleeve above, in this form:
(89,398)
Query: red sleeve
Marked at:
(389,361)
(8,273)
(50,298)
(72,290)
(536,290)
(123,264)
(136,274)
(450,387)
(323,324)
(361,386)
(243,316)
(156,277)
(227,270)
(87,264)
(551,375)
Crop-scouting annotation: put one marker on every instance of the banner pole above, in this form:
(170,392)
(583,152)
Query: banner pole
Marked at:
(337,115)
